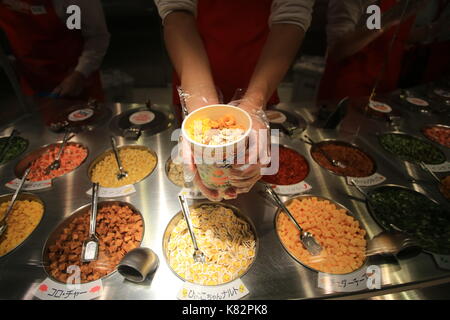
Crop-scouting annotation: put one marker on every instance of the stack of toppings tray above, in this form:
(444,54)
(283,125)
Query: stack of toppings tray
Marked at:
(26,215)
(225,236)
(138,161)
(357,163)
(17,146)
(396,207)
(120,229)
(410,148)
(438,133)
(73,156)
(293,168)
(341,236)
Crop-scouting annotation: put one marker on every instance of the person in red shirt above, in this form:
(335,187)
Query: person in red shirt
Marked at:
(232,44)
(51,59)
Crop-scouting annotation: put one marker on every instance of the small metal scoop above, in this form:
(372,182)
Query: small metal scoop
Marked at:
(334,162)
(306,238)
(90,246)
(198,255)
(122,173)
(57,162)
(3,224)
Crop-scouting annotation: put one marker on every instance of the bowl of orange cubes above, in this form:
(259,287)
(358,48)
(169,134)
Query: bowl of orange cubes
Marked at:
(341,236)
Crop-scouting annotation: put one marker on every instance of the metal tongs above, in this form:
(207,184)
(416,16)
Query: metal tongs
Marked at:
(7,145)
(431,173)
(198,255)
(3,224)
(306,238)
(90,246)
(334,162)
(57,162)
(122,173)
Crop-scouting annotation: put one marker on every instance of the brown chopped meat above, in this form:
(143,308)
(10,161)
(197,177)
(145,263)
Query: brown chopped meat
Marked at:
(119,230)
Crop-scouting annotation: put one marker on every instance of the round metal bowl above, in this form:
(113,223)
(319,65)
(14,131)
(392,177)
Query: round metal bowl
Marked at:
(308,196)
(166,167)
(29,158)
(19,154)
(304,158)
(400,133)
(375,216)
(110,151)
(430,126)
(23,196)
(80,211)
(346,144)
(178,216)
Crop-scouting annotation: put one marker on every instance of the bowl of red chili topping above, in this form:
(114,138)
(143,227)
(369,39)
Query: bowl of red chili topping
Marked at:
(293,168)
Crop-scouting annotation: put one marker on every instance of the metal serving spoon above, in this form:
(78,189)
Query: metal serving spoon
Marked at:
(3,224)
(122,173)
(308,240)
(7,145)
(334,162)
(57,162)
(90,246)
(198,255)
(431,173)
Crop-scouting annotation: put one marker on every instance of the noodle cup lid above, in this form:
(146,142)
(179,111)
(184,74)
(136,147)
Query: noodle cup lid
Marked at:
(141,117)
(380,106)
(442,93)
(215,112)
(276,116)
(80,114)
(418,102)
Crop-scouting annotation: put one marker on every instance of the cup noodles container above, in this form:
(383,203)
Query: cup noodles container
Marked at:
(214,161)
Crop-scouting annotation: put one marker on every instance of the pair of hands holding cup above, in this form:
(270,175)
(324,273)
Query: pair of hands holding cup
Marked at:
(240,178)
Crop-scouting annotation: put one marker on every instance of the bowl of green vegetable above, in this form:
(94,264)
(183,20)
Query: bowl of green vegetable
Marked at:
(13,149)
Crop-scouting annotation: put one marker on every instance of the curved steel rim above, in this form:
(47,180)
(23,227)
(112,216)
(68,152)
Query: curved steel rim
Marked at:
(39,151)
(109,151)
(57,230)
(430,126)
(337,204)
(18,155)
(179,215)
(23,196)
(347,144)
(304,158)
(375,216)
(401,133)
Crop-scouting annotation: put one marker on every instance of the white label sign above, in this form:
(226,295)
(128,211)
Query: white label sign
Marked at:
(442,93)
(81,114)
(231,291)
(114,192)
(372,180)
(52,290)
(443,261)
(355,281)
(297,188)
(29,185)
(443,167)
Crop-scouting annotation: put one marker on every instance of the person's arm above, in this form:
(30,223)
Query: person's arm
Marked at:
(96,41)
(189,58)
(288,21)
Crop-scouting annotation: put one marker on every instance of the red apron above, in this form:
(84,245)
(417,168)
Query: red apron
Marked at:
(45,49)
(356,75)
(234,33)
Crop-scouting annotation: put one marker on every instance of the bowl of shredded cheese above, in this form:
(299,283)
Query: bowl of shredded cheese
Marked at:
(226,237)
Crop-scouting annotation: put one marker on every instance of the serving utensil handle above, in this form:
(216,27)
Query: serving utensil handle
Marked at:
(281,205)
(14,197)
(63,145)
(116,153)
(187,217)
(94,204)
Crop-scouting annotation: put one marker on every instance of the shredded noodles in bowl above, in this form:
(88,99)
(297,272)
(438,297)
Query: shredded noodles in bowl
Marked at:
(227,241)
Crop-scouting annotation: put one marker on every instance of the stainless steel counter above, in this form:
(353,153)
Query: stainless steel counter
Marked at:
(274,275)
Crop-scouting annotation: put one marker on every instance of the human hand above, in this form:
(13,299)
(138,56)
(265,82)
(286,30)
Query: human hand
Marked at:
(71,86)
